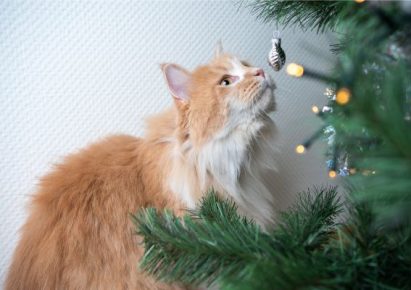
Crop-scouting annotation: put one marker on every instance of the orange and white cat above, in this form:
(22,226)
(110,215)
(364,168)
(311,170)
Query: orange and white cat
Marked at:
(79,234)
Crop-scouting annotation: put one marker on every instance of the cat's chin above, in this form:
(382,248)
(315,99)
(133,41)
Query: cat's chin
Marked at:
(265,100)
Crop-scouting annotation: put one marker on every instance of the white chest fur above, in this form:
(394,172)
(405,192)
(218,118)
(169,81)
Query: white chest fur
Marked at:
(239,164)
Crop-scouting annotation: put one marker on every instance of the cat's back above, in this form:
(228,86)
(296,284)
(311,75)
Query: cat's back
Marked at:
(115,155)
(78,234)
(92,175)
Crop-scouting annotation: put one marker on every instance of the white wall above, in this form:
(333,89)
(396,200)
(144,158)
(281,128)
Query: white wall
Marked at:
(72,72)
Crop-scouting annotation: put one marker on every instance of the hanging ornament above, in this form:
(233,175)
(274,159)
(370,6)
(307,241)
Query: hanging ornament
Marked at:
(330,93)
(276,57)
(344,170)
(327,109)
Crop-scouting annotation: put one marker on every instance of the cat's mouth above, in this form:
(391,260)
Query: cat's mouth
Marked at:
(263,88)
(256,98)
(264,96)
(264,93)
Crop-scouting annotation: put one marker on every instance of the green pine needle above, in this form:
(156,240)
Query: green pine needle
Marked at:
(320,15)
(215,243)
(307,250)
(311,220)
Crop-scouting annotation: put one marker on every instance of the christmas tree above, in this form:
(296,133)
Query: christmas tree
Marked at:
(367,124)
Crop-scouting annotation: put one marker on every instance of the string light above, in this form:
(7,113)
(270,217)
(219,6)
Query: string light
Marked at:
(315,109)
(359,1)
(343,96)
(366,172)
(332,174)
(295,70)
(353,171)
(300,149)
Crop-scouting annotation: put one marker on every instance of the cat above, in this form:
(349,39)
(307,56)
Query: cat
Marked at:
(218,134)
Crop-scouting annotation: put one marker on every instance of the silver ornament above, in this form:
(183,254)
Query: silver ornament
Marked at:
(276,57)
(327,109)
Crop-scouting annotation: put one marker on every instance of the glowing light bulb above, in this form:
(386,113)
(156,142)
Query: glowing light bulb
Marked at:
(295,70)
(343,96)
(315,109)
(300,149)
(332,174)
(359,1)
(366,172)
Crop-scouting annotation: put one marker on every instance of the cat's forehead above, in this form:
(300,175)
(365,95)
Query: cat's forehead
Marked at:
(228,64)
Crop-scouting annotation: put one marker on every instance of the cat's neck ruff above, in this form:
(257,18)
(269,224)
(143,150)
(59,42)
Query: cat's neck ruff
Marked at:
(237,162)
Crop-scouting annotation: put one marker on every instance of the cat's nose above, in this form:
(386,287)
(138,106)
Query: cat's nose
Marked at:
(260,73)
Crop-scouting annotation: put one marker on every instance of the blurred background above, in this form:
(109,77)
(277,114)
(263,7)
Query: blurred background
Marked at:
(72,72)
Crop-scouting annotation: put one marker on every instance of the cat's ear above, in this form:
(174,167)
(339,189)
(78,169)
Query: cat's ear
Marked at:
(218,50)
(177,79)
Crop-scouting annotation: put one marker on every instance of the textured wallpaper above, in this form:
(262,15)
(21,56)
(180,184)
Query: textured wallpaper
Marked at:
(72,72)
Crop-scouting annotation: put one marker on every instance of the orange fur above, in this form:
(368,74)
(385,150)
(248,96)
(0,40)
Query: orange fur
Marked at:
(79,234)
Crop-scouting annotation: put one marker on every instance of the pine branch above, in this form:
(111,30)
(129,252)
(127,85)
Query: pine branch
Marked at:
(311,221)
(213,242)
(216,244)
(320,15)
(376,113)
(306,251)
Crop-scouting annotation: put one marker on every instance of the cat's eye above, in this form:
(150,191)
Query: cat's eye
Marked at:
(226,82)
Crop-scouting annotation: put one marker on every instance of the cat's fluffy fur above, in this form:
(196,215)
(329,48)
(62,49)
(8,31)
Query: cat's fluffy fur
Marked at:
(79,234)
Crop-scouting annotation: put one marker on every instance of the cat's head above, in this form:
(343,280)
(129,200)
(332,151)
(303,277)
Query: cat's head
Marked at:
(218,97)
